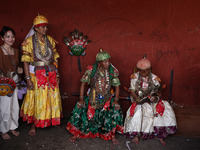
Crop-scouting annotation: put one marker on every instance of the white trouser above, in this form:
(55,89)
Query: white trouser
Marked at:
(9,112)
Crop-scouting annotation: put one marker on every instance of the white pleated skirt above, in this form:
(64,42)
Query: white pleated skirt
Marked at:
(145,124)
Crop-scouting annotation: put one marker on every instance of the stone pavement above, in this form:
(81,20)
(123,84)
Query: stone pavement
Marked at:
(52,138)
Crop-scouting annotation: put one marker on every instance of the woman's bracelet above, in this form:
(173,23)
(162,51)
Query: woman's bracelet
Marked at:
(27,77)
(81,96)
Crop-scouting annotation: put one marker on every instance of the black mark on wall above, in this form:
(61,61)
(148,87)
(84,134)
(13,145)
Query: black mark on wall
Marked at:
(160,33)
(169,53)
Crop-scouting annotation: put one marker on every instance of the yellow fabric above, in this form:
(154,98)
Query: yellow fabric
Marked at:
(41,103)
(27,49)
(39,20)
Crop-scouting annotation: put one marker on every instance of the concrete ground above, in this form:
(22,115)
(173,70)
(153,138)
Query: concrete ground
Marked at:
(53,138)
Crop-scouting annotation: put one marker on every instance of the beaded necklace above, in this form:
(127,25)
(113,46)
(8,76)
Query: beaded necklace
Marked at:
(101,86)
(47,52)
(144,92)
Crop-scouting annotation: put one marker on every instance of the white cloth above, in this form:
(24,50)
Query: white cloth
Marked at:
(30,33)
(144,119)
(9,112)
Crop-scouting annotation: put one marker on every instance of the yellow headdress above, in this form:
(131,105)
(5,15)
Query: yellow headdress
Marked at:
(40,21)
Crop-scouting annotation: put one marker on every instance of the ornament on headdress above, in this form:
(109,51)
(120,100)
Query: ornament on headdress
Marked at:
(77,44)
(7,87)
(102,55)
(144,63)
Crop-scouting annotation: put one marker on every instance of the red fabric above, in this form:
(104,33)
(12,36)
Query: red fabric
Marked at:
(40,123)
(160,108)
(53,80)
(73,130)
(41,24)
(41,78)
(108,136)
(132,110)
(90,67)
(106,105)
(90,112)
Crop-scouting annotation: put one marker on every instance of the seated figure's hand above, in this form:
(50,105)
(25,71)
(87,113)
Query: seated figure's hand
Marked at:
(80,103)
(116,105)
(154,99)
(158,93)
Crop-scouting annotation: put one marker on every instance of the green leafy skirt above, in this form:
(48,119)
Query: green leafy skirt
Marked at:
(104,124)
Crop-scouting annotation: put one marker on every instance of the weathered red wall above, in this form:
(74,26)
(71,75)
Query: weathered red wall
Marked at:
(167,31)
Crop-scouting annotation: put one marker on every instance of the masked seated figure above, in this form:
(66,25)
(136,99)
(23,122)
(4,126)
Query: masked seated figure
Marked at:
(99,114)
(149,116)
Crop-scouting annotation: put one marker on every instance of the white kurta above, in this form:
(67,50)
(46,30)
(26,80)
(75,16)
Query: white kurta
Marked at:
(9,112)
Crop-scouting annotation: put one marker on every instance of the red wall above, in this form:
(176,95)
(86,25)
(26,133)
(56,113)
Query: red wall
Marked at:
(167,31)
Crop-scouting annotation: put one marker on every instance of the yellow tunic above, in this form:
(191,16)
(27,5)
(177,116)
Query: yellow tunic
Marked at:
(43,104)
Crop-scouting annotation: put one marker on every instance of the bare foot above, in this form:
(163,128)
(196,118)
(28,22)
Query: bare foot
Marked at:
(161,141)
(135,140)
(5,136)
(115,141)
(73,138)
(15,132)
(32,130)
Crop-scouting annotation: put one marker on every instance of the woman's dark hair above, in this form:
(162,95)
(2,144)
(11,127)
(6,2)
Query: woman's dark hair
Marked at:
(6,29)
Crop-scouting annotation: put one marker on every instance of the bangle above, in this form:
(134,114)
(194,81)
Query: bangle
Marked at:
(57,75)
(27,77)
(80,104)
(116,98)
(116,105)
(81,96)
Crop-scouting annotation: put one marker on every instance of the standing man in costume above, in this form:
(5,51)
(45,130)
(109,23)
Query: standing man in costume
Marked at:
(99,114)
(42,103)
(149,116)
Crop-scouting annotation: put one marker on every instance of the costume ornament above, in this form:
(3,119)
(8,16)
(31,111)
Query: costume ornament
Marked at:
(7,87)
(77,44)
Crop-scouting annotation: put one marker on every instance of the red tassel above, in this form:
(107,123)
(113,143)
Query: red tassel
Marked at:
(132,110)
(106,105)
(160,108)
(90,112)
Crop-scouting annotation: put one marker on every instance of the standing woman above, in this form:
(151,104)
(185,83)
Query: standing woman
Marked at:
(42,103)
(9,107)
